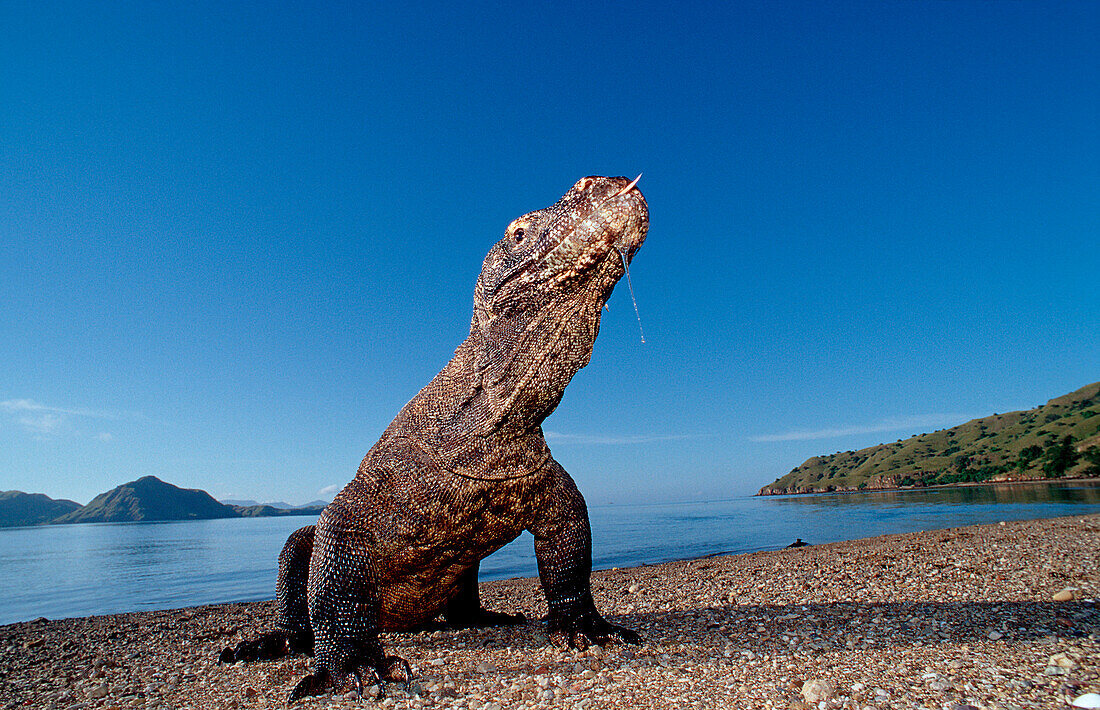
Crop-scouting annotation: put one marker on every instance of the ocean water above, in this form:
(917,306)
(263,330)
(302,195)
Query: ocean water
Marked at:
(78,570)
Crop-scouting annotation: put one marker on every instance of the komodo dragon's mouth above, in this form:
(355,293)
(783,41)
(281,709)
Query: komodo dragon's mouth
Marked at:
(614,225)
(578,247)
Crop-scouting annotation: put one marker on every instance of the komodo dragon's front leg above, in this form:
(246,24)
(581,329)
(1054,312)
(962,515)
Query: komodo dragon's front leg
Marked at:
(563,547)
(343,610)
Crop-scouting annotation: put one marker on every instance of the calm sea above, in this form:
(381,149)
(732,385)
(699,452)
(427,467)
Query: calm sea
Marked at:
(77,570)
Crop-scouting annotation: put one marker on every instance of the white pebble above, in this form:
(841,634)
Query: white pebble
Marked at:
(815,690)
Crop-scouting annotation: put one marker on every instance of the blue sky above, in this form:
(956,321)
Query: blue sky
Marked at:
(236,238)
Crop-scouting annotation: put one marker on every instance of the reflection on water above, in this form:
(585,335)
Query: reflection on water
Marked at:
(999,494)
(624,536)
(77,570)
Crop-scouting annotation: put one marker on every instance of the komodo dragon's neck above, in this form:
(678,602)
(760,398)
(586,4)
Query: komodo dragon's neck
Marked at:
(481,415)
(536,316)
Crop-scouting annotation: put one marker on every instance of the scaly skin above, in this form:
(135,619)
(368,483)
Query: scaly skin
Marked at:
(464,469)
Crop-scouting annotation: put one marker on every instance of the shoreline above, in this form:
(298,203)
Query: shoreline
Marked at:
(996,615)
(937,486)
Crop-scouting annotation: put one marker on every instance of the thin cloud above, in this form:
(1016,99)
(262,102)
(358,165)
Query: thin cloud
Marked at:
(29,405)
(42,420)
(45,423)
(916,421)
(330,491)
(600,439)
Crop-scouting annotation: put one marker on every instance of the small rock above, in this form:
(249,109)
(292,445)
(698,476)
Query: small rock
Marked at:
(940,685)
(994,635)
(1062,661)
(633,588)
(100,691)
(814,690)
(1056,670)
(1066,595)
(1088,700)
(485,667)
(436,662)
(250,692)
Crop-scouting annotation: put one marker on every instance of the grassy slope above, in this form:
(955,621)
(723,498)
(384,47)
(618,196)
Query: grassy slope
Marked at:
(1012,446)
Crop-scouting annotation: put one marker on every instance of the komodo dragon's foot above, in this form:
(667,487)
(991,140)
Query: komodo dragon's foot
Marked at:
(482,618)
(390,668)
(268,647)
(587,628)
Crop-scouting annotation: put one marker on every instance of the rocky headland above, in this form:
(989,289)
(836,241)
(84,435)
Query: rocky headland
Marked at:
(1060,439)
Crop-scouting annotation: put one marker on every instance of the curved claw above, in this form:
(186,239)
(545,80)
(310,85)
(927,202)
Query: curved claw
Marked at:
(312,684)
(391,668)
(623,634)
(395,669)
(266,647)
(585,630)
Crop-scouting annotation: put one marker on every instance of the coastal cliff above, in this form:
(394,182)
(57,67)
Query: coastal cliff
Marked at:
(1060,439)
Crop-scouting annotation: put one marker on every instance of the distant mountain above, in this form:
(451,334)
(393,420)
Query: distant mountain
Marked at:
(19,508)
(262,511)
(1058,439)
(149,498)
(278,505)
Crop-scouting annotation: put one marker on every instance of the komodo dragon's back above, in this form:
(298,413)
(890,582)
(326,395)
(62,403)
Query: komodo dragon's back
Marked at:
(464,469)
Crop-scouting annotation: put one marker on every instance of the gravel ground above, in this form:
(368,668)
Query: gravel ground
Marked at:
(996,616)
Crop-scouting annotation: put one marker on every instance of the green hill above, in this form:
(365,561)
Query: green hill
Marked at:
(19,508)
(1058,439)
(266,511)
(149,498)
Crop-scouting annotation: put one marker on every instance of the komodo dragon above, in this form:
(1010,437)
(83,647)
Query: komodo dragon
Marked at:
(464,468)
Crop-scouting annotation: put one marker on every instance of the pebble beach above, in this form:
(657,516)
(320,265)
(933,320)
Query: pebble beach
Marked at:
(995,616)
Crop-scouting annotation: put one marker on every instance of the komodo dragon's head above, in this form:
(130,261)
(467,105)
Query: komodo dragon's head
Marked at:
(538,300)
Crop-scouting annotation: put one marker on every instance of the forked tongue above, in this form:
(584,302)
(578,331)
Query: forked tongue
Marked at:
(630,286)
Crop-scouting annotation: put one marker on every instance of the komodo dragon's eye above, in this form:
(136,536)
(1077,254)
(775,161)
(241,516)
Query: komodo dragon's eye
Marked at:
(518,235)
